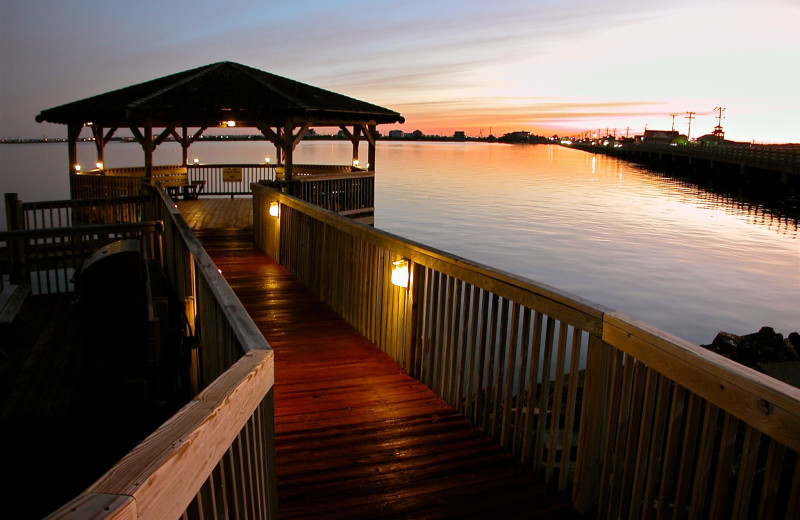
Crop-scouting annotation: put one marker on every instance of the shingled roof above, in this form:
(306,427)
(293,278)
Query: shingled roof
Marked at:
(219,92)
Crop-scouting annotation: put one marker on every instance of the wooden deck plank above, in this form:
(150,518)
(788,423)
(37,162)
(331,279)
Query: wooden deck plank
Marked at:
(356,437)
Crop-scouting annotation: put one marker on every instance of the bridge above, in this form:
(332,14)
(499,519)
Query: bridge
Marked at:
(763,163)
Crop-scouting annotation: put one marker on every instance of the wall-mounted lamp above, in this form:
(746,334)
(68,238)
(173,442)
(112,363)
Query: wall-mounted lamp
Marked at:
(196,160)
(274,209)
(99,165)
(77,167)
(355,163)
(266,160)
(400,273)
(229,124)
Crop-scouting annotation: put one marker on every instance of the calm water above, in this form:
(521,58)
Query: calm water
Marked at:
(611,232)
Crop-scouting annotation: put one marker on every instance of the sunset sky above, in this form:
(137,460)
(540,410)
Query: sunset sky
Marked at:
(538,65)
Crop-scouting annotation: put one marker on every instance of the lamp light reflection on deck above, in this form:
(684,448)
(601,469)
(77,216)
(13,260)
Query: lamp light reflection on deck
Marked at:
(400,273)
(274,209)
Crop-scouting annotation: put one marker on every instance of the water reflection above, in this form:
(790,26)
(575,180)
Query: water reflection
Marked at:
(687,260)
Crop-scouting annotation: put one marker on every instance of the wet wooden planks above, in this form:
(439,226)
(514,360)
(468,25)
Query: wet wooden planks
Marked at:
(217,213)
(356,437)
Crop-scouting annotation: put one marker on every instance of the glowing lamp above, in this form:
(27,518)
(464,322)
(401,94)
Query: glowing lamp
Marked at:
(355,163)
(274,208)
(77,167)
(99,165)
(196,160)
(400,273)
(266,160)
(229,124)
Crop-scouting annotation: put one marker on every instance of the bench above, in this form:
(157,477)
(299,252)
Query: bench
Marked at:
(176,181)
(11,300)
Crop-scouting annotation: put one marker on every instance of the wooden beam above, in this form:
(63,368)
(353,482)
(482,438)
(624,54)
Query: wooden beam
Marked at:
(367,131)
(271,136)
(299,136)
(137,134)
(109,134)
(163,135)
(346,132)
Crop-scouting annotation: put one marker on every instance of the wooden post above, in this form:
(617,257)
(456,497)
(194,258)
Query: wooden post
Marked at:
(73,132)
(356,138)
(15,221)
(287,149)
(99,143)
(185,146)
(147,146)
(592,437)
(371,132)
(410,310)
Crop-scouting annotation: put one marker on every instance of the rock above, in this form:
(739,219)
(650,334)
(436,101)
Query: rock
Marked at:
(764,346)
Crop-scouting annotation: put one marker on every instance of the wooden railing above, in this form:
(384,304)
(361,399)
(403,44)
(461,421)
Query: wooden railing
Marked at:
(634,422)
(96,186)
(220,179)
(215,458)
(230,179)
(351,194)
(46,259)
(60,213)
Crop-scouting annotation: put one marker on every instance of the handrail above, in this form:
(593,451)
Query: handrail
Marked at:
(627,416)
(215,458)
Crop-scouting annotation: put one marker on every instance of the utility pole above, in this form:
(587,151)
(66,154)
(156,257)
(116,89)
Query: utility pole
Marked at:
(718,129)
(689,116)
(627,129)
(673,116)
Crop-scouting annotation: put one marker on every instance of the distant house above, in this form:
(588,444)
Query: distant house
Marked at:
(459,135)
(395,134)
(659,136)
(515,137)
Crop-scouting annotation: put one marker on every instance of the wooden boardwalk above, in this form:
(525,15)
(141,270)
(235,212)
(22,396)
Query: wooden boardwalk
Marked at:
(356,437)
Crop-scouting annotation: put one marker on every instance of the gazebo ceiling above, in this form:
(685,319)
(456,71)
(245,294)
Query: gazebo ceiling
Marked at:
(211,94)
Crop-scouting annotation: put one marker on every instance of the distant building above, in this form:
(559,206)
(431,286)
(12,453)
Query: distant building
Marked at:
(459,135)
(659,136)
(395,134)
(515,137)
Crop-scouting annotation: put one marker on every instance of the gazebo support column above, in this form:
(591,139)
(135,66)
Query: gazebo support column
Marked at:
(73,132)
(370,133)
(288,148)
(147,146)
(356,139)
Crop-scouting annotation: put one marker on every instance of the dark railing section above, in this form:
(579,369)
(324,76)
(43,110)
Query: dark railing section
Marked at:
(215,458)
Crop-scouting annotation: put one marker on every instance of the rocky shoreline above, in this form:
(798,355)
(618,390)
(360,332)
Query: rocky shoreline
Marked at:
(765,351)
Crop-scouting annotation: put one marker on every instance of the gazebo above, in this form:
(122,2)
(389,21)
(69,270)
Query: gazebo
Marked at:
(224,94)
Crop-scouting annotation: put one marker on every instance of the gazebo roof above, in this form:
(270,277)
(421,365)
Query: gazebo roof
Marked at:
(223,91)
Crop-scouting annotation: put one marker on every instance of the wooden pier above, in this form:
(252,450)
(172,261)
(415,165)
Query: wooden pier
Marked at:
(357,437)
(466,393)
